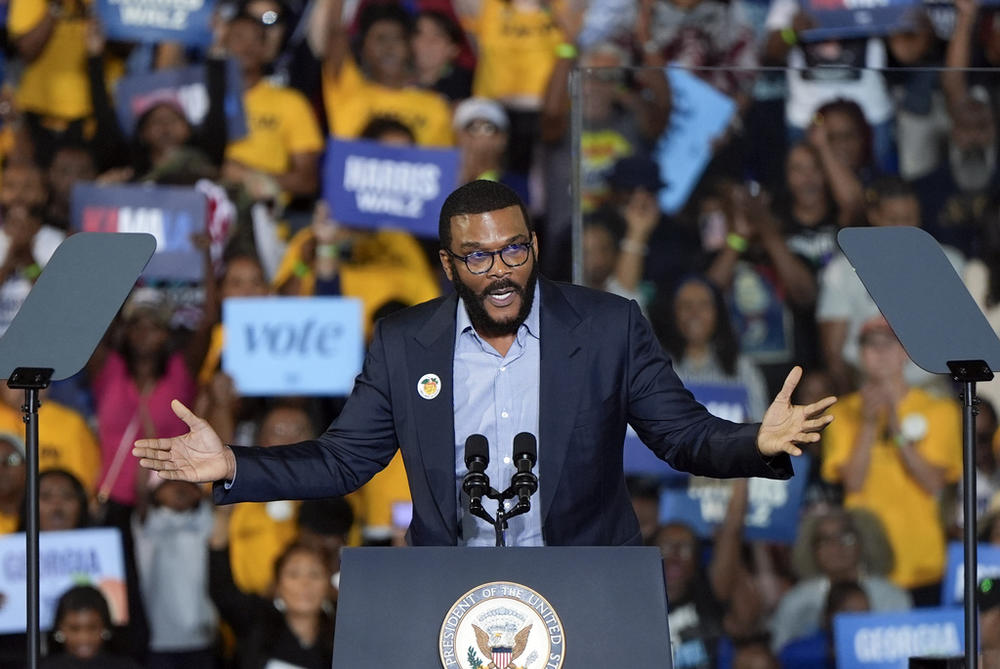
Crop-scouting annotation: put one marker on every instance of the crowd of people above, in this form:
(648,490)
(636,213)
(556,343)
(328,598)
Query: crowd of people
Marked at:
(742,281)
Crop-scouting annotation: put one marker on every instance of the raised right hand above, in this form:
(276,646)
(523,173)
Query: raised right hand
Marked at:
(198,456)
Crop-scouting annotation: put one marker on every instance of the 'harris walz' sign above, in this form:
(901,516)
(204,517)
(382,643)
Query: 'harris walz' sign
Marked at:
(371,185)
(171,214)
(185,21)
(842,19)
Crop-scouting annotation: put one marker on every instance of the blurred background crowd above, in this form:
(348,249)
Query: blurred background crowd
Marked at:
(741,280)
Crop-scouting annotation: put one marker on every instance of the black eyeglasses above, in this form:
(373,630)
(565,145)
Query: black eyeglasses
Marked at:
(481,262)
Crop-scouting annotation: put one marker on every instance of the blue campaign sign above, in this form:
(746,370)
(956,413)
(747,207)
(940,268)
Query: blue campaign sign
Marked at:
(292,345)
(370,185)
(699,114)
(172,214)
(729,401)
(184,86)
(987,566)
(843,19)
(887,640)
(188,22)
(772,514)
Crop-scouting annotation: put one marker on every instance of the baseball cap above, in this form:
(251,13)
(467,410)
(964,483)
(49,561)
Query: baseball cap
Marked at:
(479,109)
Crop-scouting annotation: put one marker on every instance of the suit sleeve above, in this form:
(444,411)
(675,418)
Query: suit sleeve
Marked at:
(676,427)
(359,443)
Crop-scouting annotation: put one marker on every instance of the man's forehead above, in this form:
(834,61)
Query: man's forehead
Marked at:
(508,221)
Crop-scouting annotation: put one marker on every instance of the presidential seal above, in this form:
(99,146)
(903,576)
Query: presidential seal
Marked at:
(502,625)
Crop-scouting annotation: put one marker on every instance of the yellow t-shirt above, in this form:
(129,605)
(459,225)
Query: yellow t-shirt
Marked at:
(351,101)
(8,524)
(910,515)
(374,501)
(256,538)
(55,84)
(65,441)
(385,265)
(280,124)
(517,51)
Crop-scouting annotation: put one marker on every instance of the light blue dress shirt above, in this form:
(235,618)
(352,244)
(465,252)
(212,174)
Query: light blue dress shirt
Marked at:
(496,396)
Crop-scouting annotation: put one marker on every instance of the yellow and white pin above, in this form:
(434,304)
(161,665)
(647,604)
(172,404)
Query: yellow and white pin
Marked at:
(429,386)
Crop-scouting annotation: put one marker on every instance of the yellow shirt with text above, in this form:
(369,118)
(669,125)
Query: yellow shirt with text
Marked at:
(517,51)
(280,124)
(910,515)
(351,101)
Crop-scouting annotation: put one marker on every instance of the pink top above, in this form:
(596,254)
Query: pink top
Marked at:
(117,399)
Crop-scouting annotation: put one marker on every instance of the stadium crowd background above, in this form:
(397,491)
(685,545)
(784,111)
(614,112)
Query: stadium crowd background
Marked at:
(740,283)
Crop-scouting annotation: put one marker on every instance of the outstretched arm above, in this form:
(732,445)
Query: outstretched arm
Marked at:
(787,425)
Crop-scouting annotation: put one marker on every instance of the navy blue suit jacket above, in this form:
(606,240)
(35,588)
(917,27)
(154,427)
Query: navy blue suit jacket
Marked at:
(601,367)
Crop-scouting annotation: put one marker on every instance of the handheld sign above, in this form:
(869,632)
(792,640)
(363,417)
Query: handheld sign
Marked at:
(700,114)
(888,640)
(772,514)
(183,86)
(293,345)
(171,214)
(370,185)
(188,22)
(844,19)
(987,566)
(75,557)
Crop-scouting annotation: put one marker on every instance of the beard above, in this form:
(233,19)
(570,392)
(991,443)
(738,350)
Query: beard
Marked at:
(972,168)
(475,303)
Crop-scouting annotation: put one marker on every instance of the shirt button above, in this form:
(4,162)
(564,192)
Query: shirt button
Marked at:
(504,368)
(506,460)
(503,414)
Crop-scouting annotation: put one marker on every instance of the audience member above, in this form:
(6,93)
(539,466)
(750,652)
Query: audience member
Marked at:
(437,42)
(62,501)
(81,632)
(694,328)
(481,127)
(818,649)
(830,549)
(295,627)
(894,448)
(325,525)
(12,482)
(171,546)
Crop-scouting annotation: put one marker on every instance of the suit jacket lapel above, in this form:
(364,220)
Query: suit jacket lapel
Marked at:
(431,351)
(562,376)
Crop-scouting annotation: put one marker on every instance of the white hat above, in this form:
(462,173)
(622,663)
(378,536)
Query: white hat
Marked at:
(479,109)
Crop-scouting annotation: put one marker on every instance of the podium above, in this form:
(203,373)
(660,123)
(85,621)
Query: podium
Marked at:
(599,607)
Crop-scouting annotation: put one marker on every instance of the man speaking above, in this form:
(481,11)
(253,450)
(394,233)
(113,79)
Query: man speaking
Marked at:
(509,352)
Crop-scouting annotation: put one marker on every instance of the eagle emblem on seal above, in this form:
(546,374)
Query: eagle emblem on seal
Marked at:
(501,653)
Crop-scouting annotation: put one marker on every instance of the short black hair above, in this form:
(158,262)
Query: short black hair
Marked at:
(446,23)
(478,197)
(889,187)
(329,516)
(384,11)
(379,126)
(83,598)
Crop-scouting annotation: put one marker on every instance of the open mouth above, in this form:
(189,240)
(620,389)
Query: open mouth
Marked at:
(501,298)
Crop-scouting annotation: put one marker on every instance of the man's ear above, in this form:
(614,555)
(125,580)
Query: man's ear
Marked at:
(445,263)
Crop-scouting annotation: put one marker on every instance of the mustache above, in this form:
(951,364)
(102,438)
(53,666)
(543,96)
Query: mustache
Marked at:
(501,285)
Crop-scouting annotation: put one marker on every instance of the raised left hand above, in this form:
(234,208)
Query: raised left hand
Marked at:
(786,425)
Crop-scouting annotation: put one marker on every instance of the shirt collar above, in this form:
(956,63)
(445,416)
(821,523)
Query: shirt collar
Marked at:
(463,324)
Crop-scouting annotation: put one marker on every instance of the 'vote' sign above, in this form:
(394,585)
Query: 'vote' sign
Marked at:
(292,345)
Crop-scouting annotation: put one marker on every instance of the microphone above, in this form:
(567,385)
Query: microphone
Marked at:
(525,456)
(477,456)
